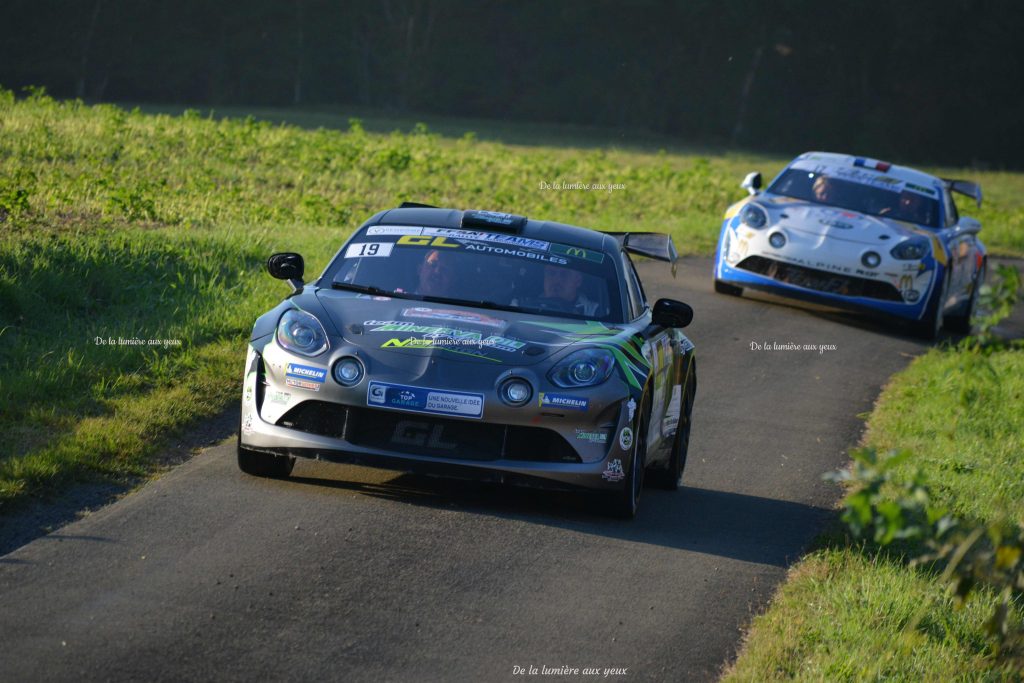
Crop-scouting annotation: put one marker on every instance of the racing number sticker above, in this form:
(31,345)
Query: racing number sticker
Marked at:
(364,249)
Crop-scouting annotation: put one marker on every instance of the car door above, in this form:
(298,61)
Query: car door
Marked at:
(658,349)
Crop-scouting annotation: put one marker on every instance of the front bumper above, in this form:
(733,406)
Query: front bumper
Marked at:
(823,271)
(529,446)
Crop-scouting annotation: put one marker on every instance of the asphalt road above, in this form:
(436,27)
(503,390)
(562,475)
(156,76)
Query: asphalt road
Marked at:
(345,573)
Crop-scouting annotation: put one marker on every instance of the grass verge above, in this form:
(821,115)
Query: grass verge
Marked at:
(842,613)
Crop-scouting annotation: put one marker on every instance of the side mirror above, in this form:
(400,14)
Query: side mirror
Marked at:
(752,183)
(286,266)
(969,226)
(671,313)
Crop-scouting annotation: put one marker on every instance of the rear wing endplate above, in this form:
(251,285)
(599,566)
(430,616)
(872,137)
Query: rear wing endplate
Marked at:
(965,187)
(655,245)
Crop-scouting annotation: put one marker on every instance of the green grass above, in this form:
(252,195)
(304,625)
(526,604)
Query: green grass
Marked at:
(841,614)
(124,224)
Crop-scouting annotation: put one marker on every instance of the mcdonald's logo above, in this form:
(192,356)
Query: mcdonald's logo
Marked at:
(577,252)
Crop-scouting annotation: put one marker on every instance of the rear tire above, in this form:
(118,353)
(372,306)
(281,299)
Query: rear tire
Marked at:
(726,288)
(961,324)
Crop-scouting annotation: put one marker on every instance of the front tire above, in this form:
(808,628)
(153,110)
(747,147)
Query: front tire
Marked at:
(671,478)
(625,503)
(961,324)
(929,326)
(726,288)
(264,464)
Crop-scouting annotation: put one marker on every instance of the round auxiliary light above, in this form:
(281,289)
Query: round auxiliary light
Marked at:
(870,259)
(516,392)
(777,240)
(348,371)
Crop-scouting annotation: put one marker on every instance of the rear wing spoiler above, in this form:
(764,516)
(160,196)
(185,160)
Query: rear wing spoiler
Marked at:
(965,187)
(655,245)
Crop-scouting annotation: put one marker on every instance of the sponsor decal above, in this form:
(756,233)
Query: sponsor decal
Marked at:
(425,241)
(302,384)
(504,251)
(840,225)
(433,333)
(631,406)
(394,230)
(921,189)
(626,438)
(591,437)
(564,401)
(414,342)
(451,315)
(247,423)
(578,252)
(306,372)
(367,249)
(614,471)
(476,236)
(671,420)
(424,400)
(279,397)
(248,394)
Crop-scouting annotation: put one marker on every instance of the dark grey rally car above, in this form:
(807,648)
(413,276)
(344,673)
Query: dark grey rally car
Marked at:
(480,345)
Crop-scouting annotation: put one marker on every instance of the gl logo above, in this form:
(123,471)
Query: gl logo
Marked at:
(412,433)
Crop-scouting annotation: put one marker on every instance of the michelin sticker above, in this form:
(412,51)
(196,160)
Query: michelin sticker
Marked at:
(563,401)
(626,438)
(423,400)
(614,471)
(632,409)
(305,377)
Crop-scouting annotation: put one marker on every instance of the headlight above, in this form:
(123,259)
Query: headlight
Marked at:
(910,250)
(348,371)
(301,333)
(777,240)
(754,216)
(585,368)
(516,391)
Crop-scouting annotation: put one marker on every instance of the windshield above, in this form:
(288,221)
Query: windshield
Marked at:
(484,269)
(874,194)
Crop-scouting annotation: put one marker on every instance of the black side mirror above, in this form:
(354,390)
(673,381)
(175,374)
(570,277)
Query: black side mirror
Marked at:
(672,313)
(286,266)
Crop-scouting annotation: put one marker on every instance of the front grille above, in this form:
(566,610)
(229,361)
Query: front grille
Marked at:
(820,280)
(428,435)
(317,417)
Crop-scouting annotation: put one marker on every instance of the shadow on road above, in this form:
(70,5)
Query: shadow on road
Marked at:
(722,523)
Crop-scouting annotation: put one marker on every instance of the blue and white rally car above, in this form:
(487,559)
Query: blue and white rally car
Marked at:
(859,234)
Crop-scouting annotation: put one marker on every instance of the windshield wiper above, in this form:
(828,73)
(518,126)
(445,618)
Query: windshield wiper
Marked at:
(368,289)
(467,302)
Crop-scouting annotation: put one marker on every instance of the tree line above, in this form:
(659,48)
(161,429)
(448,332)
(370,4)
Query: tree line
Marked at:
(908,80)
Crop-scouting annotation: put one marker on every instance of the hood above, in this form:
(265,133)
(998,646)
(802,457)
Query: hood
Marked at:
(843,224)
(426,330)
